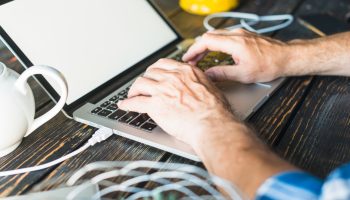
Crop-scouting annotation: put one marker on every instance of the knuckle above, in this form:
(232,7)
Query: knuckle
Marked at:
(200,88)
(207,36)
(163,61)
(150,68)
(244,41)
(249,77)
(137,82)
(187,68)
(241,31)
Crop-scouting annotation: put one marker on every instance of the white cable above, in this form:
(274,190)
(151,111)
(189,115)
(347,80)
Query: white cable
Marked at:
(99,136)
(235,15)
(247,20)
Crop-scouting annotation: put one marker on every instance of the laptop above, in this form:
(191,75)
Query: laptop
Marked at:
(101,46)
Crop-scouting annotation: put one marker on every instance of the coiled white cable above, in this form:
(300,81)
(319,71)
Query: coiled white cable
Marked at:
(247,20)
(99,136)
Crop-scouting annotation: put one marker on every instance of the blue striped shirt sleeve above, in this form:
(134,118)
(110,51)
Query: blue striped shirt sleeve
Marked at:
(297,185)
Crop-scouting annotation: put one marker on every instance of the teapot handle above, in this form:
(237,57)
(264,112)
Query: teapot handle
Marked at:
(52,73)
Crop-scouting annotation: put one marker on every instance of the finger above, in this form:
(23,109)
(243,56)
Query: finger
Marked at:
(166,64)
(168,69)
(210,42)
(156,74)
(224,73)
(143,86)
(197,58)
(237,31)
(140,104)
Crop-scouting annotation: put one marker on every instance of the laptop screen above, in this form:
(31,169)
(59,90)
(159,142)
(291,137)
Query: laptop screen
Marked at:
(89,41)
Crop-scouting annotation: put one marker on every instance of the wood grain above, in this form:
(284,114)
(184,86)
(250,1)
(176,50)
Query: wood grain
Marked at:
(296,121)
(57,137)
(317,138)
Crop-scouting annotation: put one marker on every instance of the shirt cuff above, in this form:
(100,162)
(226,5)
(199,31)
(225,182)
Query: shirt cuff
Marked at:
(289,186)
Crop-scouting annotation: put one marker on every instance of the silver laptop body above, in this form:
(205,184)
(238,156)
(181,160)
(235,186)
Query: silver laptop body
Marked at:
(245,99)
(97,107)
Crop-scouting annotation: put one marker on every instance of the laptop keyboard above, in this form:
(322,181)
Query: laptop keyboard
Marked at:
(110,110)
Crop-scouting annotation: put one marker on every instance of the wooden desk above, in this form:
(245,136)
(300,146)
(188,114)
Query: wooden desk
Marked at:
(307,121)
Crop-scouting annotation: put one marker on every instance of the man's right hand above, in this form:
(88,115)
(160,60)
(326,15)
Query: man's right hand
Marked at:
(257,58)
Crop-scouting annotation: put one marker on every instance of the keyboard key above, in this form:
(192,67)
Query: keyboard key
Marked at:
(129,117)
(112,107)
(96,110)
(122,93)
(104,113)
(115,97)
(123,97)
(117,114)
(151,121)
(105,104)
(139,120)
(148,126)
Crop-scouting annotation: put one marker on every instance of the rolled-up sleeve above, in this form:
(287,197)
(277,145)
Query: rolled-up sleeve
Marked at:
(298,185)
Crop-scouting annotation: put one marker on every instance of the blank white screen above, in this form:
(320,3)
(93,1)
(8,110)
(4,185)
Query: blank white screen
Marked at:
(89,41)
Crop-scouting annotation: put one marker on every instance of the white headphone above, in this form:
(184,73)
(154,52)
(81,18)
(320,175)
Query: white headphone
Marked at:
(247,20)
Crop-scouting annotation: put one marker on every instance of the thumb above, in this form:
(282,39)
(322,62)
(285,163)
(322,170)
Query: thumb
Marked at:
(229,73)
(138,104)
(221,73)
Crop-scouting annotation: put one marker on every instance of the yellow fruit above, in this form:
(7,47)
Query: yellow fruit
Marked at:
(205,7)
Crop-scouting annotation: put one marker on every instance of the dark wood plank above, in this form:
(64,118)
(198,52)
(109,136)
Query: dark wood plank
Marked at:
(317,138)
(59,137)
(114,149)
(54,139)
(168,7)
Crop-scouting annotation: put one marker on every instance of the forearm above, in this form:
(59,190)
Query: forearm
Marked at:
(321,56)
(237,155)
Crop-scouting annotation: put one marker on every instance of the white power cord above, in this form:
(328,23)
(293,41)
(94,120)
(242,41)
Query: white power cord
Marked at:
(99,136)
(247,20)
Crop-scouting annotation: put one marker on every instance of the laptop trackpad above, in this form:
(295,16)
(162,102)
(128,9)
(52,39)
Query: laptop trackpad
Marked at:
(244,98)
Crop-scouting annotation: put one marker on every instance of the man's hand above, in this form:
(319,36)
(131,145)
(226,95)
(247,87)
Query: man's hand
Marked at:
(257,58)
(181,99)
(261,59)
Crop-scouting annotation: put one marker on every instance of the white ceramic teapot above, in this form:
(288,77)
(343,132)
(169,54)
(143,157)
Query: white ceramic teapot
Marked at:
(17,106)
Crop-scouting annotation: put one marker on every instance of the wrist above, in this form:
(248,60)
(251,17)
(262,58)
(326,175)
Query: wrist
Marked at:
(294,58)
(232,136)
(236,152)
(304,57)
